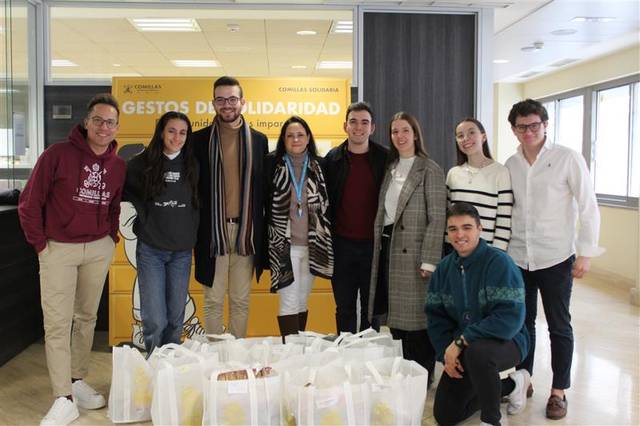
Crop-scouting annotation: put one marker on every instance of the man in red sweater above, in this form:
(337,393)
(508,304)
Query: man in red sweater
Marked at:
(354,172)
(69,212)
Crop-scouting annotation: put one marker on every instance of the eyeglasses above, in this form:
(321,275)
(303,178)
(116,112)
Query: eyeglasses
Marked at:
(233,100)
(522,128)
(98,122)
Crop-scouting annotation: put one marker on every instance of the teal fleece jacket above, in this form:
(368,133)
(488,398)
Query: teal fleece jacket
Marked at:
(480,296)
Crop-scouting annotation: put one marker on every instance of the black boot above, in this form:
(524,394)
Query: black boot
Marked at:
(289,324)
(302,320)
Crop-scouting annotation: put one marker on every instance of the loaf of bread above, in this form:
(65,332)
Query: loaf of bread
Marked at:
(242,374)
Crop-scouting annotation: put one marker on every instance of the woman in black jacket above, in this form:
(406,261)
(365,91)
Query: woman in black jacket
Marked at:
(162,185)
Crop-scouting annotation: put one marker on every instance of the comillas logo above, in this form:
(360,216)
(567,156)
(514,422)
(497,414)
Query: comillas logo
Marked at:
(148,86)
(143,88)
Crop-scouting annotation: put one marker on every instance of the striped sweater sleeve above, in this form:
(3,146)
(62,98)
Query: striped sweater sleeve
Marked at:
(502,233)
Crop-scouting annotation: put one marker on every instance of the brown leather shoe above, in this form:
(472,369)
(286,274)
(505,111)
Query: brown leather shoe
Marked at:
(556,407)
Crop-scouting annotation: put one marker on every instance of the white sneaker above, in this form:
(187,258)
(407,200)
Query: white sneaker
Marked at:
(62,412)
(85,396)
(518,397)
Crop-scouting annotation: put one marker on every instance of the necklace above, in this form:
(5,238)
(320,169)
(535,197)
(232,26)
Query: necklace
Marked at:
(472,171)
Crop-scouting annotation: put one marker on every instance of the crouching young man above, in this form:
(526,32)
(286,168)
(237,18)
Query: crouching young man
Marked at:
(475,319)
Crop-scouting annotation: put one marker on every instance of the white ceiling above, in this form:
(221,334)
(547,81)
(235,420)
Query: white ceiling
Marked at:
(96,38)
(589,41)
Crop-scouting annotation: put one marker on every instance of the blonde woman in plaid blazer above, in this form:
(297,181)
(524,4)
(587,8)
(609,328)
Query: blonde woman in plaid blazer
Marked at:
(408,235)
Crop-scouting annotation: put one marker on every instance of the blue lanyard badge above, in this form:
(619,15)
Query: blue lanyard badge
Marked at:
(297,185)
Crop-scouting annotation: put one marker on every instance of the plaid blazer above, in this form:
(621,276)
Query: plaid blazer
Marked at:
(418,233)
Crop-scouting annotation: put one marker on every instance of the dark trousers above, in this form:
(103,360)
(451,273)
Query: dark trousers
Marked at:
(480,386)
(555,285)
(416,346)
(351,274)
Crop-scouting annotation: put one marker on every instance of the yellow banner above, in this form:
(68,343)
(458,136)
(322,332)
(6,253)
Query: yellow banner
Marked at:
(322,102)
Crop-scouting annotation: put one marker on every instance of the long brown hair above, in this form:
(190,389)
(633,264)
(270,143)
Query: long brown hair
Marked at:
(419,148)
(153,158)
(462,157)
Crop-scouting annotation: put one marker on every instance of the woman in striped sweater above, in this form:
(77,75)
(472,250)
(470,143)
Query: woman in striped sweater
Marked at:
(482,182)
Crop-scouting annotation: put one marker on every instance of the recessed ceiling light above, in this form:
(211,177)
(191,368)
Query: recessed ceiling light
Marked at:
(233,28)
(593,19)
(116,65)
(564,32)
(165,24)
(537,45)
(195,63)
(334,65)
(62,63)
(306,32)
(299,67)
(500,61)
(342,27)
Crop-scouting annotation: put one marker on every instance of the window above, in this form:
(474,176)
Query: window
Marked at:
(565,121)
(611,144)
(606,117)
(18,121)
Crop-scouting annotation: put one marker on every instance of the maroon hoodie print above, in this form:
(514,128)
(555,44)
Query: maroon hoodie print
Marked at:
(73,195)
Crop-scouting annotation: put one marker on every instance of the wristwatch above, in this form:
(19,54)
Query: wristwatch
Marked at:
(459,342)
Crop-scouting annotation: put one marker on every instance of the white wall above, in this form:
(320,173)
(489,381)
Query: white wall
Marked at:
(504,96)
(619,233)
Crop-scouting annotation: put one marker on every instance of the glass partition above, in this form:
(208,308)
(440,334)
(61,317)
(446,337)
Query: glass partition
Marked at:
(18,139)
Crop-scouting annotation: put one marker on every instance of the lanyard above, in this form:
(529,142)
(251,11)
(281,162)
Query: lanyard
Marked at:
(297,185)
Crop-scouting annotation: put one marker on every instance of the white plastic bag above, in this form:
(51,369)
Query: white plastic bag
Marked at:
(179,390)
(398,391)
(131,390)
(370,348)
(251,401)
(325,396)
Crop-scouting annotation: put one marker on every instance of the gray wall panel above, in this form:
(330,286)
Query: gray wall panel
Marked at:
(423,64)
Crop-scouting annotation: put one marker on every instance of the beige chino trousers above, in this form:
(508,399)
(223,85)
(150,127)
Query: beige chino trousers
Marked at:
(72,276)
(234,274)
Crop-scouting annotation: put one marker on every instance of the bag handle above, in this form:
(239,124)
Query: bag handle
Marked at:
(168,376)
(364,333)
(170,349)
(396,365)
(127,381)
(365,340)
(374,372)
(315,344)
(348,397)
(223,336)
(253,397)
(210,416)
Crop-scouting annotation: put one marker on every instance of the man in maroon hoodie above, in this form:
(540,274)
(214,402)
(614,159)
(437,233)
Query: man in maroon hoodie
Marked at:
(69,212)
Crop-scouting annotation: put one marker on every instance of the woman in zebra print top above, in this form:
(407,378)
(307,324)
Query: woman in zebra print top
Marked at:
(298,228)
(481,182)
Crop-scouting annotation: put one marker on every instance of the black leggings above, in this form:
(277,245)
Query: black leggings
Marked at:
(480,386)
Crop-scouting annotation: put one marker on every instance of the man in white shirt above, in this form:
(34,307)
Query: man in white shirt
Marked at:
(552,188)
